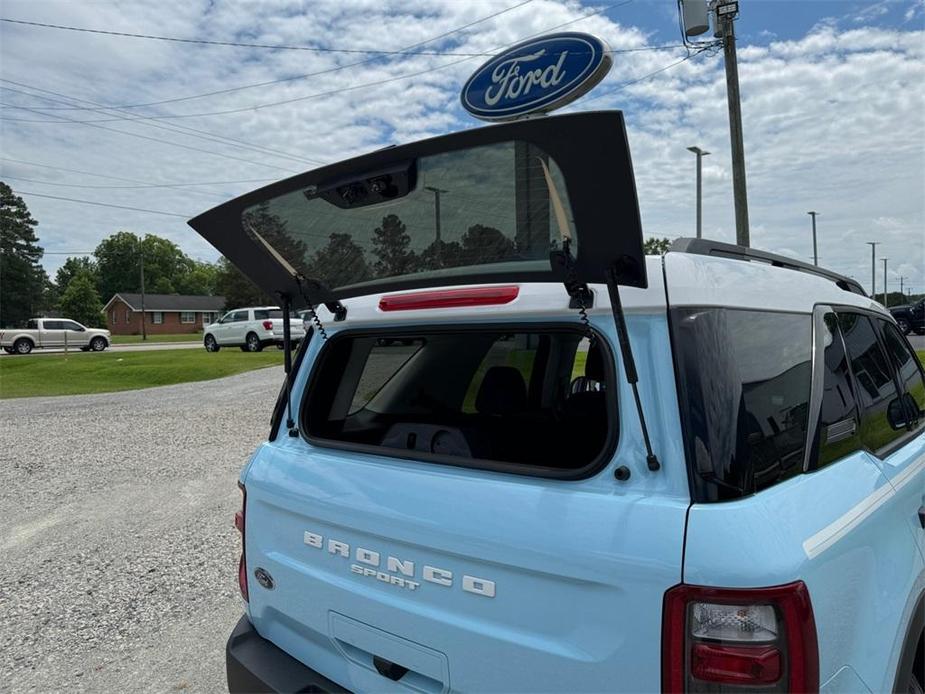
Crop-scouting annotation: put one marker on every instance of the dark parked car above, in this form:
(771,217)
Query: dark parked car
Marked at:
(910,317)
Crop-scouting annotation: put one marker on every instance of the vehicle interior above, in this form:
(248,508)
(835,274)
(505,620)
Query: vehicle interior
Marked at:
(524,401)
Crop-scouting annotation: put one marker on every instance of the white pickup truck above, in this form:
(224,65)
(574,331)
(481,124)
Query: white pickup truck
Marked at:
(53,333)
(251,329)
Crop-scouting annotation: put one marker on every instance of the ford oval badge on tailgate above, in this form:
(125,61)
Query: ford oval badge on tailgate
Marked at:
(536,76)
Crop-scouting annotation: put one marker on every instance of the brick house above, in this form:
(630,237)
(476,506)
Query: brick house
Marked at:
(164,313)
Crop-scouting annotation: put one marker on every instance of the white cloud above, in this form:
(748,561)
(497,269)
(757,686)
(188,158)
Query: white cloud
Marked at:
(833,121)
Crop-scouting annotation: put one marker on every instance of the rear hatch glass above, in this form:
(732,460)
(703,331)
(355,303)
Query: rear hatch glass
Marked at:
(493,204)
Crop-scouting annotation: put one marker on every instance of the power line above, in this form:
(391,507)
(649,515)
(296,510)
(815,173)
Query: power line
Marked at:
(159,140)
(624,85)
(319,72)
(102,204)
(233,44)
(171,127)
(404,51)
(138,187)
(241,44)
(144,183)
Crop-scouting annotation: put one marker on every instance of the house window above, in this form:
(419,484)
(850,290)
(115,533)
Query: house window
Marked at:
(187,317)
(157,317)
(114,317)
(128,316)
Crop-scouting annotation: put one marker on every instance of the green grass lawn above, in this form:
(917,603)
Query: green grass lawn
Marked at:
(135,339)
(103,372)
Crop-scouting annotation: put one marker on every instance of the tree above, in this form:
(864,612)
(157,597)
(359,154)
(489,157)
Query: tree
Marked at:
(482,244)
(81,302)
(390,245)
(237,289)
(274,231)
(201,279)
(341,262)
(656,246)
(72,267)
(23,282)
(118,259)
(441,254)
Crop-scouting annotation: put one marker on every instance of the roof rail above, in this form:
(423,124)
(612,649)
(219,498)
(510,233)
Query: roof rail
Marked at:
(730,250)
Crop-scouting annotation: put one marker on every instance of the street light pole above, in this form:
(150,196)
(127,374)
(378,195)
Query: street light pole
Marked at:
(700,155)
(726,13)
(886,301)
(873,268)
(436,191)
(815,250)
(141,254)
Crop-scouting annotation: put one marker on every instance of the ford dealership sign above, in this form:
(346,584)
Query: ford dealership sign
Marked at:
(536,76)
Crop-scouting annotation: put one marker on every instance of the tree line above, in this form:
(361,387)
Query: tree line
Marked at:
(83,284)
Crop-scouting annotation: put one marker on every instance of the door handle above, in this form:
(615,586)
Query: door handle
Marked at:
(922,517)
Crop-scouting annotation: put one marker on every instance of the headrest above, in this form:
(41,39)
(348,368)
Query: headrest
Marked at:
(502,392)
(594,365)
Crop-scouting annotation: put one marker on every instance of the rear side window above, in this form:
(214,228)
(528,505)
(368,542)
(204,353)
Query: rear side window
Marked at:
(837,429)
(744,380)
(487,398)
(881,408)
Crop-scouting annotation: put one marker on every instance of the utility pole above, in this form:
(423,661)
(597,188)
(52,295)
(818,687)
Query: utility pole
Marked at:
(141,254)
(873,268)
(886,301)
(436,191)
(700,155)
(901,278)
(726,13)
(815,251)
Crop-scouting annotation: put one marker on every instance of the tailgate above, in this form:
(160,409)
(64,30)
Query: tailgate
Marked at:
(470,580)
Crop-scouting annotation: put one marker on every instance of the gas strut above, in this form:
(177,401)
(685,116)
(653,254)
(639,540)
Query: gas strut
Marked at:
(629,364)
(287,360)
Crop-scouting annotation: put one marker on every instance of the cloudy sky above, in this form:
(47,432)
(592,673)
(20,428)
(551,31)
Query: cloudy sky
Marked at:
(833,109)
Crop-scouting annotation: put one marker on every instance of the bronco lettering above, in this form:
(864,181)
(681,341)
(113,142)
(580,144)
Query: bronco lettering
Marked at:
(395,566)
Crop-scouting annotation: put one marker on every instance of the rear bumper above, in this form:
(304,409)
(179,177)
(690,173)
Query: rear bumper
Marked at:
(253,664)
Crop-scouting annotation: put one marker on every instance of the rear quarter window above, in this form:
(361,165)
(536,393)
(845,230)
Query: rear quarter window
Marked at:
(744,381)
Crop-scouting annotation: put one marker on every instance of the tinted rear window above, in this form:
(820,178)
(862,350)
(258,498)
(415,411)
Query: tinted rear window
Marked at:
(529,402)
(483,209)
(744,380)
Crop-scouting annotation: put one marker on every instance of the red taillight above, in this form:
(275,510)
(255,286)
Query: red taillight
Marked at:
(268,325)
(239,523)
(449,298)
(733,640)
(731,665)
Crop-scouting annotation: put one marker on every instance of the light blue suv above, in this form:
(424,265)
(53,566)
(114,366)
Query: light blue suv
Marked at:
(516,454)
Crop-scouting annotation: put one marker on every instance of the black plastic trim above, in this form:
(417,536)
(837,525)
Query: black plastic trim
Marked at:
(253,664)
(519,469)
(730,250)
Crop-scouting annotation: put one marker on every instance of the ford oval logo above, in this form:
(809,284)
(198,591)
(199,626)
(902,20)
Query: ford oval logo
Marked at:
(536,76)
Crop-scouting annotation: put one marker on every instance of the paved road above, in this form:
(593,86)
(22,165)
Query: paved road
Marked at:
(134,347)
(918,341)
(119,553)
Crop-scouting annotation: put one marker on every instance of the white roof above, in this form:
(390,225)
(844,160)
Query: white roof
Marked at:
(692,280)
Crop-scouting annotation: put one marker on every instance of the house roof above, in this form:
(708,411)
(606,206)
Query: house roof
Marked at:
(170,302)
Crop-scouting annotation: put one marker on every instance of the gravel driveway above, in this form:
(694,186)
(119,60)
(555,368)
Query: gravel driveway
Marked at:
(119,552)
